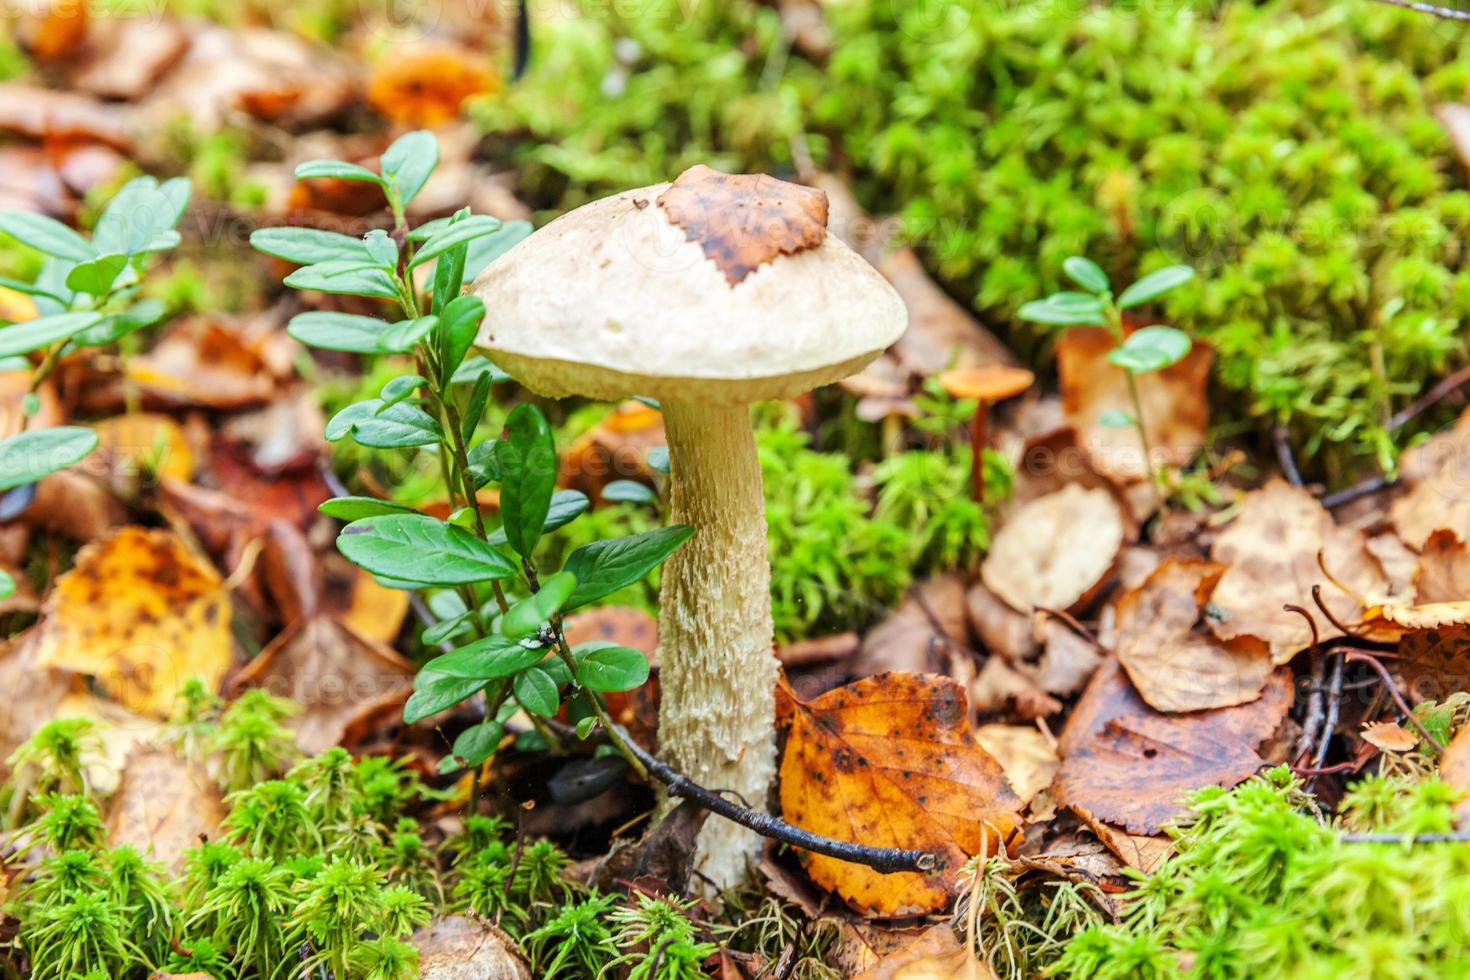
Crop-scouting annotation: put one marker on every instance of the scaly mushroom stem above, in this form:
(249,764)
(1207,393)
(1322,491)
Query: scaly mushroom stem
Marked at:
(978,427)
(717,669)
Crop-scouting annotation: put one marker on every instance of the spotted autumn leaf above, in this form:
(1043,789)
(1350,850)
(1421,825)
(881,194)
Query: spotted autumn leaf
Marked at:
(1274,552)
(890,761)
(143,614)
(1056,551)
(1164,644)
(1129,765)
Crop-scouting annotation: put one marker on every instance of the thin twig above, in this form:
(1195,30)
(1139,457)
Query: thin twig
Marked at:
(885,860)
(1446,13)
(1071,621)
(1317,598)
(1284,455)
(1453,836)
(1312,720)
(1356,492)
(1358,657)
(1334,708)
(1426,401)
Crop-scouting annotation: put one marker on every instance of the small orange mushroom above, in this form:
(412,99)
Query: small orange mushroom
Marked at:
(986,385)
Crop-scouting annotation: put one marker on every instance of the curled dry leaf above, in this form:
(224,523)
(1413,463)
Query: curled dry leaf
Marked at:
(143,614)
(1056,551)
(1138,851)
(1176,410)
(1129,765)
(1004,685)
(936,954)
(890,761)
(1028,757)
(1067,659)
(1454,768)
(1438,494)
(163,806)
(459,947)
(1274,553)
(59,118)
(1389,736)
(1169,654)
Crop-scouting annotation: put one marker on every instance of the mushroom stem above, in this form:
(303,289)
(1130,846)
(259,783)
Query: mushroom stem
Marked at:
(978,426)
(717,668)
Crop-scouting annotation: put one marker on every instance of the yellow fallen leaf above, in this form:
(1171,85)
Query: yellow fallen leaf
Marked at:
(143,614)
(144,442)
(16,307)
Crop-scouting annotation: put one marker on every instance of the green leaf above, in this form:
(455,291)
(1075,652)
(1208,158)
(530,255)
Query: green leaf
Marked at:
(356,508)
(585,726)
(119,325)
(478,743)
(381,249)
(537,692)
(1155,284)
(485,250)
(489,658)
(1115,418)
(7,585)
(96,276)
(338,331)
(399,388)
(22,338)
(475,368)
(403,336)
(528,466)
(607,667)
(309,246)
(458,325)
(371,423)
(566,506)
(419,548)
(432,693)
(1151,349)
(139,219)
(337,169)
(603,567)
(629,492)
(1087,274)
(455,234)
(526,617)
(345,278)
(449,272)
(475,408)
(484,469)
(409,162)
(1064,309)
(46,235)
(28,456)
(446,629)
(658,459)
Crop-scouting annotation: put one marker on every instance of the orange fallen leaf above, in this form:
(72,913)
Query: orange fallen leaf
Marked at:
(615,449)
(1454,768)
(1172,659)
(1056,551)
(1275,551)
(143,614)
(53,29)
(889,761)
(138,443)
(1389,736)
(427,86)
(16,307)
(204,362)
(937,954)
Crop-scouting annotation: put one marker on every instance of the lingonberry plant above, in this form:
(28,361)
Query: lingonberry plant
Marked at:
(86,295)
(504,617)
(1141,351)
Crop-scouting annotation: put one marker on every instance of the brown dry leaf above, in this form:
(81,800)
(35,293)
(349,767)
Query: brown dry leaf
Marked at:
(1399,563)
(32,690)
(426,86)
(819,649)
(1454,768)
(1438,495)
(909,639)
(1271,551)
(1001,685)
(59,117)
(1389,736)
(1028,757)
(143,614)
(334,675)
(1143,853)
(120,731)
(1056,551)
(372,611)
(1176,410)
(743,221)
(1130,765)
(1000,628)
(1443,571)
(138,443)
(1169,655)
(1434,663)
(461,947)
(75,505)
(163,806)
(126,56)
(937,954)
(890,761)
(1067,661)
(204,362)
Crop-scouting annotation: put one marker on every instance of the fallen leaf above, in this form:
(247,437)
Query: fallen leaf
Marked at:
(51,116)
(1001,629)
(1067,661)
(1454,768)
(32,690)
(52,29)
(204,362)
(890,761)
(1141,852)
(1176,411)
(1130,765)
(1271,551)
(1170,656)
(1443,570)
(163,805)
(74,505)
(1389,736)
(143,614)
(937,954)
(426,85)
(1002,685)
(819,649)
(1055,552)
(1434,662)
(136,444)
(922,635)
(372,611)
(126,56)
(626,626)
(461,947)
(1438,495)
(615,449)
(333,673)
(1028,757)
(120,732)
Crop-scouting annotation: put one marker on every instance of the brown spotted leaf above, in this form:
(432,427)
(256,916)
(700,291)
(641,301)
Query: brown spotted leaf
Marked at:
(889,761)
(1169,654)
(743,221)
(1129,765)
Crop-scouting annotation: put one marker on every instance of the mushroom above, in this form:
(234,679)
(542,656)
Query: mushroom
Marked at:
(986,385)
(708,294)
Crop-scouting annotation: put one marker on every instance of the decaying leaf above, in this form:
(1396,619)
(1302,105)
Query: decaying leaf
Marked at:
(60,117)
(333,673)
(1443,570)
(1001,629)
(127,55)
(163,805)
(1015,686)
(890,761)
(936,954)
(143,614)
(922,635)
(204,362)
(461,947)
(1129,765)
(52,29)
(743,221)
(1434,662)
(1067,661)
(426,86)
(1168,652)
(1438,492)
(1028,757)
(1056,551)
(1454,768)
(32,690)
(1141,852)
(1389,736)
(139,443)
(1176,410)
(1274,553)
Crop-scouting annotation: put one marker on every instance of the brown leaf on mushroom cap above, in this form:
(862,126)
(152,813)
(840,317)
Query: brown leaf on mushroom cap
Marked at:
(890,761)
(743,221)
(1437,473)
(1176,411)
(1271,552)
(1170,656)
(143,614)
(163,805)
(1130,765)
(1055,551)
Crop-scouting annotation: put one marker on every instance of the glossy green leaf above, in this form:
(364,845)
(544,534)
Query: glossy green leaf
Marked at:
(118,325)
(603,567)
(608,667)
(22,338)
(309,246)
(475,408)
(1155,284)
(336,169)
(1065,309)
(338,331)
(526,617)
(658,459)
(1087,274)
(356,508)
(489,658)
(28,456)
(459,322)
(381,249)
(96,276)
(421,549)
(1151,349)
(537,692)
(408,163)
(476,367)
(629,492)
(433,693)
(46,235)
(399,388)
(477,743)
(403,336)
(345,278)
(528,467)
(455,234)
(399,426)
(140,218)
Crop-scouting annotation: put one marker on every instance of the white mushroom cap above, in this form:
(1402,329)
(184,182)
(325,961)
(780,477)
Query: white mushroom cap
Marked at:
(725,289)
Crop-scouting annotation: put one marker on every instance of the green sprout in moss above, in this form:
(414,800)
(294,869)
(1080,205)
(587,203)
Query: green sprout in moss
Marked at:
(74,936)
(577,937)
(195,727)
(243,912)
(385,958)
(335,911)
(271,820)
(408,861)
(67,821)
(658,940)
(252,745)
(539,876)
(484,889)
(54,759)
(203,867)
(61,876)
(195,954)
(139,887)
